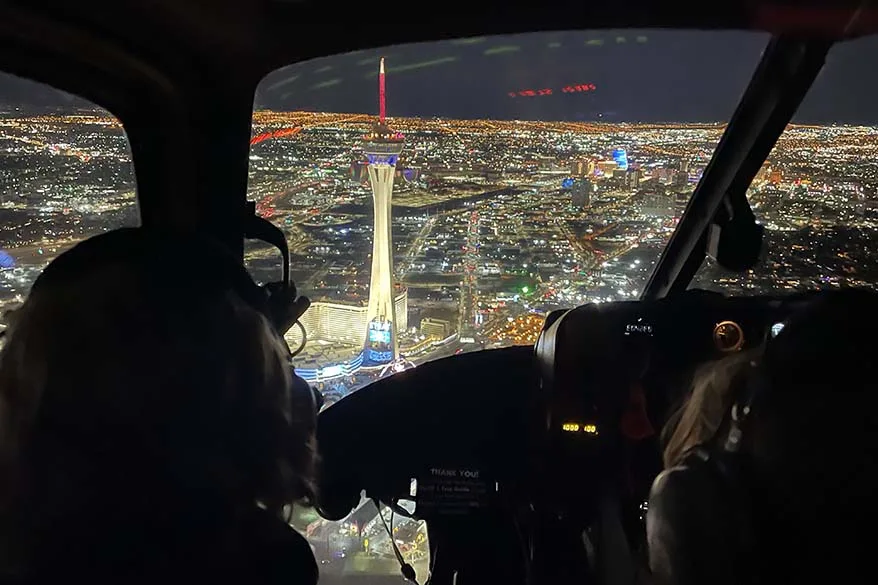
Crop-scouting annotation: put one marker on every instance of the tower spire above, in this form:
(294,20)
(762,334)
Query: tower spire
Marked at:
(382,148)
(381,110)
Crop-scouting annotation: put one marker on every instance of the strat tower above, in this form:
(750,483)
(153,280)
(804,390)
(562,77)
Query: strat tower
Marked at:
(382,147)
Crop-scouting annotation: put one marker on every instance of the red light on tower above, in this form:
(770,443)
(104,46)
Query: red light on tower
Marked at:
(381,92)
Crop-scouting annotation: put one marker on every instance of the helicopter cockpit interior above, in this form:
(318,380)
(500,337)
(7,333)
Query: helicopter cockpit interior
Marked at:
(514,237)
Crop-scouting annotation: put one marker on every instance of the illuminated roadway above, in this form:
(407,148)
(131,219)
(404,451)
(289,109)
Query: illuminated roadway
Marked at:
(468,303)
(586,255)
(415,248)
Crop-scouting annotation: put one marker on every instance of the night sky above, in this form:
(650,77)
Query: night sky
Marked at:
(638,76)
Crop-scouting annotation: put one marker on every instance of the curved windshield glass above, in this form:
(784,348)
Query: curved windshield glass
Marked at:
(817,193)
(65,174)
(442,197)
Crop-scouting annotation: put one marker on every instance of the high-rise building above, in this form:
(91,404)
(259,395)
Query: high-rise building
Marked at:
(341,323)
(635,175)
(359,171)
(621,158)
(582,167)
(438,328)
(681,179)
(581,194)
(382,147)
(607,167)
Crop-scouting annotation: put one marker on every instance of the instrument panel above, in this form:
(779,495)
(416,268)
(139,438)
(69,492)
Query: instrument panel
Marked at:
(590,356)
(619,369)
(557,415)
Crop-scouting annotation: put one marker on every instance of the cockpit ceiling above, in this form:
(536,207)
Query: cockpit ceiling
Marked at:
(261,35)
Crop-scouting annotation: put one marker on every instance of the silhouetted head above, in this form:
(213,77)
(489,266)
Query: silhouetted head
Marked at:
(812,434)
(811,442)
(791,500)
(701,418)
(140,381)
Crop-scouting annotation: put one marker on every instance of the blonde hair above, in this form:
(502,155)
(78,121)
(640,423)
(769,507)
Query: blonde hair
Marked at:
(714,387)
(116,382)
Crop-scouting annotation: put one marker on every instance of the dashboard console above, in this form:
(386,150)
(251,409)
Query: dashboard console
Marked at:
(501,414)
(590,358)
(557,430)
(611,374)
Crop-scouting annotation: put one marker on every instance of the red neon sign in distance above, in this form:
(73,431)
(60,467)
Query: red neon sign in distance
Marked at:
(578,88)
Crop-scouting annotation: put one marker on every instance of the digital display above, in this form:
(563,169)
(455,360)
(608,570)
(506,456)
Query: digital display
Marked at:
(575,427)
(379,336)
(378,357)
(776,328)
(379,332)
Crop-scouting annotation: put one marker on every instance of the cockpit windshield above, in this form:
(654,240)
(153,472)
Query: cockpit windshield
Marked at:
(442,197)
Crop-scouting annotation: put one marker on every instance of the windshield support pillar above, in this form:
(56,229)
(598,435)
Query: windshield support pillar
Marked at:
(782,78)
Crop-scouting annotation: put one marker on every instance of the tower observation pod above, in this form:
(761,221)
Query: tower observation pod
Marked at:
(382,147)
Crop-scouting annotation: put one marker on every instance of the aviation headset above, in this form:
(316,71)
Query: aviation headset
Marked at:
(719,464)
(213,268)
(845,320)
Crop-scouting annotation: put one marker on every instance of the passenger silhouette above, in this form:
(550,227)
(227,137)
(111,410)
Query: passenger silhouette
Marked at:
(151,428)
(782,491)
(704,411)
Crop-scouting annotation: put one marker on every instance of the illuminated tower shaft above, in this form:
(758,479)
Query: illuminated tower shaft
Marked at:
(381,315)
(382,148)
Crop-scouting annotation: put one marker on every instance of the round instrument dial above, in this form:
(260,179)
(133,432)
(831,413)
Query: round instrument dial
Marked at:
(728,336)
